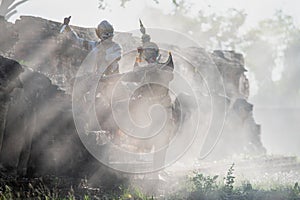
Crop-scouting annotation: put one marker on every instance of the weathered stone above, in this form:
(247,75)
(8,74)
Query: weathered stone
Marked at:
(40,123)
(9,72)
(40,128)
(8,37)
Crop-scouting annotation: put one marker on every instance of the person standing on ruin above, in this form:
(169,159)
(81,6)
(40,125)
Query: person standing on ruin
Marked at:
(148,52)
(102,61)
(151,93)
(107,51)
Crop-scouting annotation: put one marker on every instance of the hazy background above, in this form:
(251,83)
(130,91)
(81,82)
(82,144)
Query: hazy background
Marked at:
(265,31)
(86,13)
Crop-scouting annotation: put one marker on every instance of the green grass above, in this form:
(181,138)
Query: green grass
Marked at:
(196,186)
(53,188)
(200,186)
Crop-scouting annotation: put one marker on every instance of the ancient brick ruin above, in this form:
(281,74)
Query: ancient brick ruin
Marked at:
(51,60)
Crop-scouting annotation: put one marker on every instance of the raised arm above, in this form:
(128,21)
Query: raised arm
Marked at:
(87,44)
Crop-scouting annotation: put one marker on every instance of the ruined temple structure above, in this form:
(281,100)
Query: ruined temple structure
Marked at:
(39,135)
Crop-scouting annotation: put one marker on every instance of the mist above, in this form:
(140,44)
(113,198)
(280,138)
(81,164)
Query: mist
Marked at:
(275,101)
(230,95)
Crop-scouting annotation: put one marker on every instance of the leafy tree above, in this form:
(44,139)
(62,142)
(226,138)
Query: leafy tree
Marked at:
(212,31)
(267,47)
(289,85)
(272,44)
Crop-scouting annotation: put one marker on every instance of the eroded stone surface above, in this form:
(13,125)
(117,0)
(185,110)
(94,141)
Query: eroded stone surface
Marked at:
(47,142)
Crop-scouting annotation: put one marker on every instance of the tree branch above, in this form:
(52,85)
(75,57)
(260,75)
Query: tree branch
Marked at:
(16,5)
(7,16)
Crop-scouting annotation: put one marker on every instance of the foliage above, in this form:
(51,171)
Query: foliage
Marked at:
(205,184)
(8,7)
(200,186)
(265,47)
(212,31)
(6,194)
(229,180)
(270,48)
(295,192)
(102,4)
(54,188)
(134,193)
